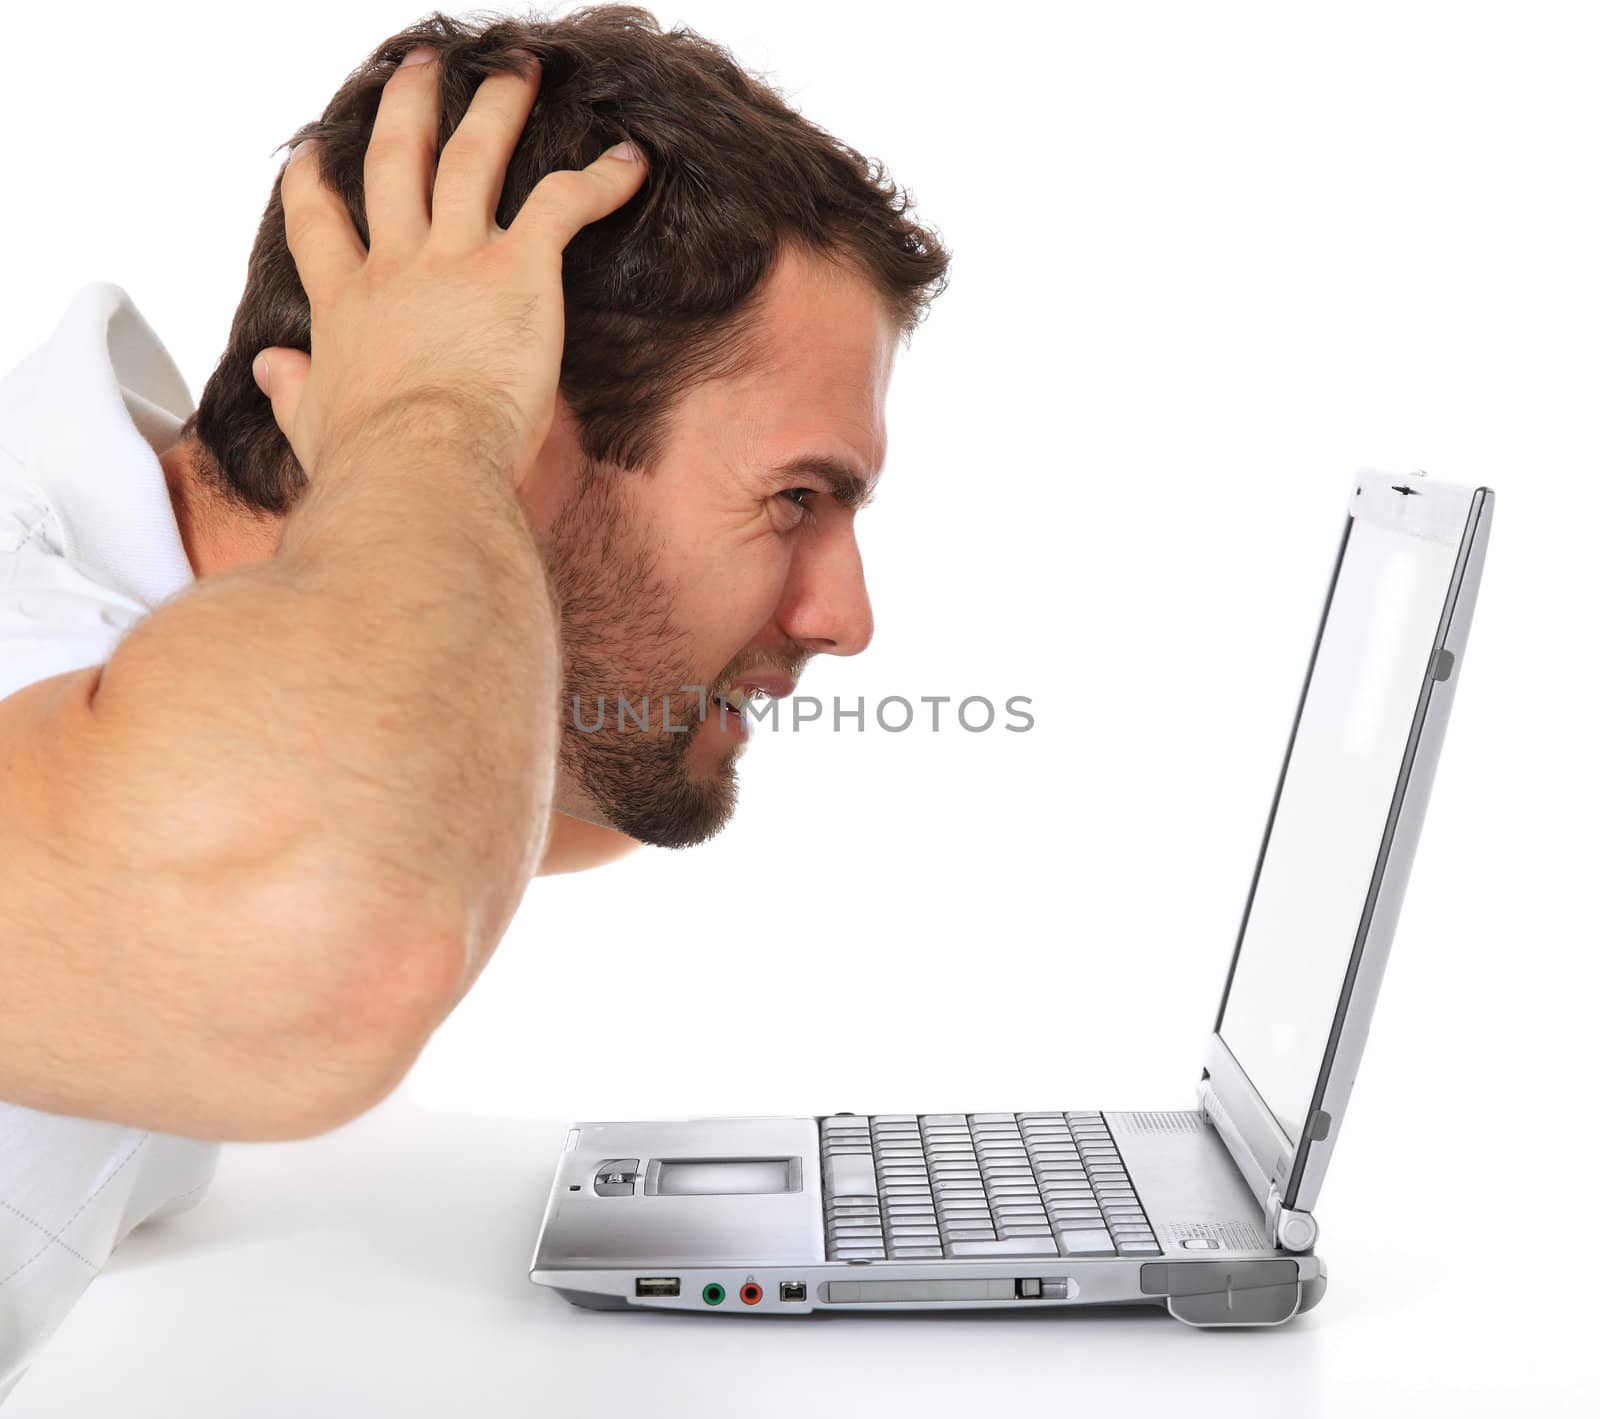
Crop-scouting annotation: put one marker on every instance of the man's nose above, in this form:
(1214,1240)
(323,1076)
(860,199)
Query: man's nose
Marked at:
(827,609)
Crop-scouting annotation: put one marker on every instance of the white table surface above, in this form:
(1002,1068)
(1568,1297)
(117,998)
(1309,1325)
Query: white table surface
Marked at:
(382,1269)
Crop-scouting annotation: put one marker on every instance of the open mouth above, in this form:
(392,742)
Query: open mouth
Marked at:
(744,692)
(734,701)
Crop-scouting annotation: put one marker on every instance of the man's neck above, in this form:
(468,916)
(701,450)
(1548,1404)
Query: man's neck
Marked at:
(216,535)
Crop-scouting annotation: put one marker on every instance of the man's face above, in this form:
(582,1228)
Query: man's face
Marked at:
(726,566)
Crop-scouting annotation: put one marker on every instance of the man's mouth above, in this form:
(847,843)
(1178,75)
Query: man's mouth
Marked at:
(750,688)
(736,700)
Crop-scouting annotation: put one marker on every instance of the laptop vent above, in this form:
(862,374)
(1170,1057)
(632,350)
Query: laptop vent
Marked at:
(1162,1123)
(1243,1236)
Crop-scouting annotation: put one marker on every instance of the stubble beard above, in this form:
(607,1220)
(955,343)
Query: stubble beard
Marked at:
(619,639)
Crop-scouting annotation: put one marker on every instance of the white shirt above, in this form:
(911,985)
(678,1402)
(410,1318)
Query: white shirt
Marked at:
(88,546)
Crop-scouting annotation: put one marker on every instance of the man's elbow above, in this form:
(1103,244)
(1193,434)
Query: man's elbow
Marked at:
(348,1043)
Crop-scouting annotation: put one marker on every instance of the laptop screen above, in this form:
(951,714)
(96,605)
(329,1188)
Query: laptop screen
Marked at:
(1323,840)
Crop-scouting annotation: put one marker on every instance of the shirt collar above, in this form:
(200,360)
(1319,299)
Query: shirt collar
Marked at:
(108,401)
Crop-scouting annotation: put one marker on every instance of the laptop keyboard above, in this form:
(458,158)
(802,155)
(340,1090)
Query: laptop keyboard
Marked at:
(903,1186)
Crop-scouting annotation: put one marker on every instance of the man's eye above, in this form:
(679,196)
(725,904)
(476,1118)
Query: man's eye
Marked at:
(800,498)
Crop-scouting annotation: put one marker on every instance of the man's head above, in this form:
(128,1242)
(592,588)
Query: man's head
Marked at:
(730,335)
(727,566)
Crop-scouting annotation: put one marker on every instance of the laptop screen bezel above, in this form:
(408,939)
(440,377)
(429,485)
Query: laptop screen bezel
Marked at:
(1442,512)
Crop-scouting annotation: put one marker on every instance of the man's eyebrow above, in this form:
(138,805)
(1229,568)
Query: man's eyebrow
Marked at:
(848,488)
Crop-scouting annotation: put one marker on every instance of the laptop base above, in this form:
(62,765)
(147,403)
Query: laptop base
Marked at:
(1236,1292)
(726,1216)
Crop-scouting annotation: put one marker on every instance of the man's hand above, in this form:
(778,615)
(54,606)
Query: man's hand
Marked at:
(447,316)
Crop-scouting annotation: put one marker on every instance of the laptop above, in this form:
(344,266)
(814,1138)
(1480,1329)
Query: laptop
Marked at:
(1208,1212)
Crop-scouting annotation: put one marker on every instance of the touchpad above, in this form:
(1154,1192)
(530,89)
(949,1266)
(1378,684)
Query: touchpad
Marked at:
(701,1177)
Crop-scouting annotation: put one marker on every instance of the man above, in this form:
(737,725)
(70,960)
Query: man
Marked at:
(594,392)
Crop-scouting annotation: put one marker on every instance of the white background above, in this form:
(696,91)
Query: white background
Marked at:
(1208,260)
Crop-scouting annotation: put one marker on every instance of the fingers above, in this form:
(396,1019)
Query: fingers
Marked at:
(472,168)
(408,205)
(280,372)
(563,202)
(397,172)
(316,224)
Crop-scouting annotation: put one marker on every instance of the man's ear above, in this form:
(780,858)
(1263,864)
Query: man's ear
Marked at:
(554,476)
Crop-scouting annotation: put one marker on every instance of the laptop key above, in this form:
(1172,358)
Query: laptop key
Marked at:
(1000,1246)
(847,1175)
(1086,1243)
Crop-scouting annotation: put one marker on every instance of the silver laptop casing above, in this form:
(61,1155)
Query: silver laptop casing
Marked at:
(1227,1192)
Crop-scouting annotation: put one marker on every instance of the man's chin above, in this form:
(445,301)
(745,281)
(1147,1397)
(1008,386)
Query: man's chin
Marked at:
(678,809)
(692,814)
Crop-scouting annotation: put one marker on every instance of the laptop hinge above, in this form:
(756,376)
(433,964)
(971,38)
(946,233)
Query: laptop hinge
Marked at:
(1289,1229)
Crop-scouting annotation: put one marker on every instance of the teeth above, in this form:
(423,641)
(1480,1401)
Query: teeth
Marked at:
(738,699)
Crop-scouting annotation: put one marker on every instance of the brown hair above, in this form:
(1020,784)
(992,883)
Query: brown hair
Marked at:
(656,293)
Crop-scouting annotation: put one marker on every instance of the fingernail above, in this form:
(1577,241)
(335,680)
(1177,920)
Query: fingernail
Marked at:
(626,151)
(260,371)
(422,54)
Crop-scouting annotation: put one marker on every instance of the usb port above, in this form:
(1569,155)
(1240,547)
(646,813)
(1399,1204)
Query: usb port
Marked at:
(655,1286)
